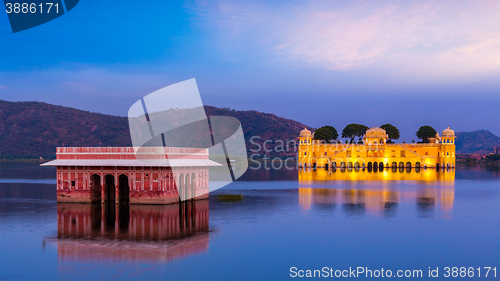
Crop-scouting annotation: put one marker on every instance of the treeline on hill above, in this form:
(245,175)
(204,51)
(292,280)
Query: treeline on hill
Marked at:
(29,130)
(353,131)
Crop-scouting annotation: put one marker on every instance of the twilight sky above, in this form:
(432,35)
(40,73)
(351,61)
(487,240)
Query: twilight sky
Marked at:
(408,63)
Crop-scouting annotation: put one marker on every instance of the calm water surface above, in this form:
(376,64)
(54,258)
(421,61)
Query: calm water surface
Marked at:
(309,220)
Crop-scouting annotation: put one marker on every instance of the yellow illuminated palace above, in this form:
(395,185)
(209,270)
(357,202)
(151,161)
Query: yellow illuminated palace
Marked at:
(375,152)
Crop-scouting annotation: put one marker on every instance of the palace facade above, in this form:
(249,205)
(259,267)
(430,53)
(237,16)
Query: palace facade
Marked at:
(375,152)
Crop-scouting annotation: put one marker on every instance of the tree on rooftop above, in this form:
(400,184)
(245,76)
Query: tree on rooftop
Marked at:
(326,133)
(354,130)
(425,132)
(392,131)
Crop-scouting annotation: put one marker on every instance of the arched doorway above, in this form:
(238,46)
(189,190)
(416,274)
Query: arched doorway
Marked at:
(95,188)
(326,166)
(394,165)
(417,165)
(109,188)
(187,186)
(375,165)
(370,165)
(356,165)
(180,188)
(408,165)
(193,185)
(381,166)
(401,165)
(123,188)
(349,165)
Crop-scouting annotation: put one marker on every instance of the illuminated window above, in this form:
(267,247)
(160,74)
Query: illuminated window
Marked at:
(426,153)
(447,154)
(402,153)
(393,154)
(325,153)
(348,154)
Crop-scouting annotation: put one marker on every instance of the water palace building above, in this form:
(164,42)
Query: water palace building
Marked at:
(114,174)
(376,152)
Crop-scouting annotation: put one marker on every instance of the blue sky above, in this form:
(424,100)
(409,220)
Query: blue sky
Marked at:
(409,63)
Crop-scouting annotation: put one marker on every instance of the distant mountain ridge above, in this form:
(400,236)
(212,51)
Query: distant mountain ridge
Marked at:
(33,129)
(481,141)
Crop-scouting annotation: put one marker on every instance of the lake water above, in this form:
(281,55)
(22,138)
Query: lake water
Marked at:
(395,220)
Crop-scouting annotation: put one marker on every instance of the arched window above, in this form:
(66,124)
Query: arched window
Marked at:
(448,141)
(452,141)
(447,154)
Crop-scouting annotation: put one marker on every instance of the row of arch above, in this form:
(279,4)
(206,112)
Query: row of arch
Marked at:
(374,165)
(108,192)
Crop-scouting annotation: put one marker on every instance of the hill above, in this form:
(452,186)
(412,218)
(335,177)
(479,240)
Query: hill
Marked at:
(481,141)
(34,129)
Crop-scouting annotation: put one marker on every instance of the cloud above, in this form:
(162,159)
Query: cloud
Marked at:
(428,38)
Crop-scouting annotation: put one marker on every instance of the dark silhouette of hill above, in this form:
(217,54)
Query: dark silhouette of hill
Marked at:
(482,141)
(32,129)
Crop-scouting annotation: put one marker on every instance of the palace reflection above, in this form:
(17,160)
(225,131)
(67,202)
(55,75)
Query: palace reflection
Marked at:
(131,232)
(376,195)
(385,174)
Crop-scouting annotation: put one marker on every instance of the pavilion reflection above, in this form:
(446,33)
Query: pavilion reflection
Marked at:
(132,232)
(385,174)
(383,201)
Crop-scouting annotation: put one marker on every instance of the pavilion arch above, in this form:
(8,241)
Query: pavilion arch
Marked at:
(95,188)
(369,154)
(193,185)
(187,187)
(180,188)
(123,188)
(109,188)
